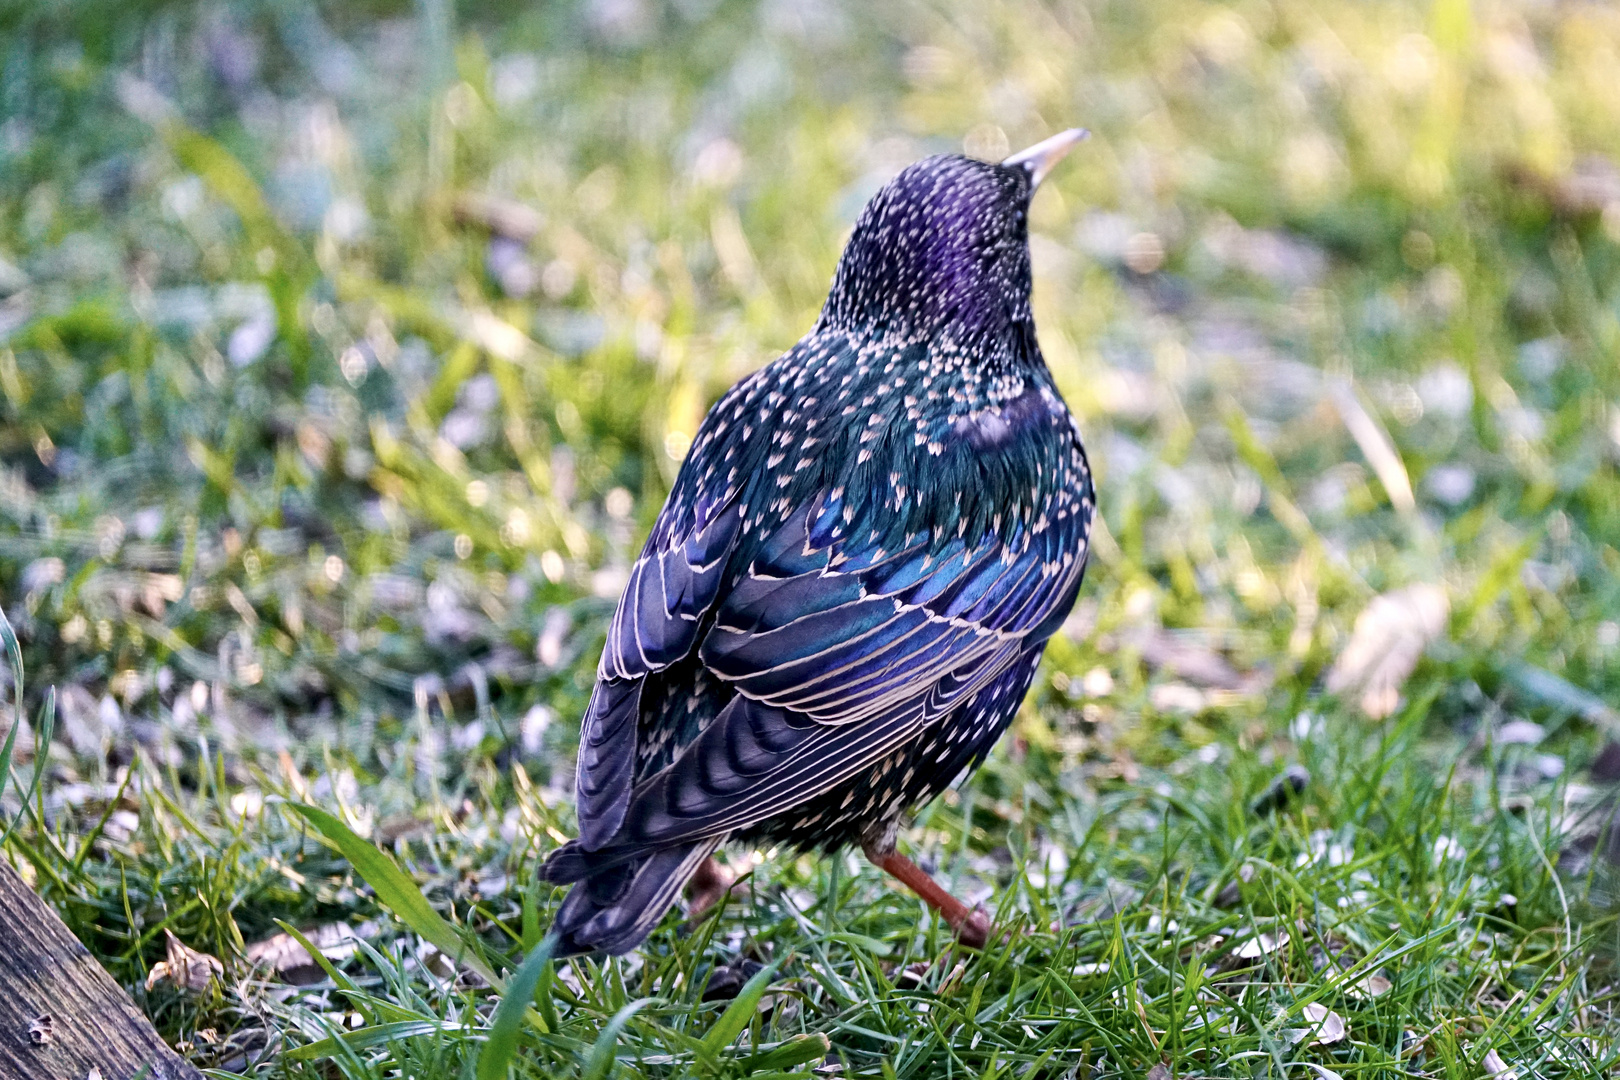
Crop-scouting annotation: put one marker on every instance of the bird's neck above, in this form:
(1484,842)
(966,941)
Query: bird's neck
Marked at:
(1001,363)
(995,350)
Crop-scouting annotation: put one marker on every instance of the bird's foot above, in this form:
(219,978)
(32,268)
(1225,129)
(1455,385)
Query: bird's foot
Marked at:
(972,925)
(707,888)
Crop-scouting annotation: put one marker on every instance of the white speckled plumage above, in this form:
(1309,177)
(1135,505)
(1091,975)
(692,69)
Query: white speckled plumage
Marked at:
(847,593)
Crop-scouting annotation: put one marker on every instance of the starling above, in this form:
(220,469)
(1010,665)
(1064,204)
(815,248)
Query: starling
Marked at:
(845,597)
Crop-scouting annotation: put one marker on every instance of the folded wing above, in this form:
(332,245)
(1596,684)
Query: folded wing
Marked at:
(672,586)
(838,654)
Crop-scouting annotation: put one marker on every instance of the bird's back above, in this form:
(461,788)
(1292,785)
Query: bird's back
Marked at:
(844,599)
(865,460)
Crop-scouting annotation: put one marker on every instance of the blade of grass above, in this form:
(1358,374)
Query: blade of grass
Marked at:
(44,731)
(397,892)
(544,999)
(94,834)
(798,1050)
(531,913)
(501,1045)
(5,754)
(1543,686)
(14,655)
(735,1019)
(374,1035)
(601,1058)
(340,980)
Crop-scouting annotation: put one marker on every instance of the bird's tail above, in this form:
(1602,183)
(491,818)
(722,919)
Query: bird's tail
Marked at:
(616,902)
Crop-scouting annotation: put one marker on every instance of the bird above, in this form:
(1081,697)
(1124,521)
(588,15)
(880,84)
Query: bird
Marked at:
(843,602)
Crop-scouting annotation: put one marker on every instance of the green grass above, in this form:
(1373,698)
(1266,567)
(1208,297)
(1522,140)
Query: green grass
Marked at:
(314,490)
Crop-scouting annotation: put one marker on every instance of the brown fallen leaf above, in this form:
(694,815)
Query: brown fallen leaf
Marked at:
(1389,637)
(437,962)
(284,956)
(185,967)
(279,953)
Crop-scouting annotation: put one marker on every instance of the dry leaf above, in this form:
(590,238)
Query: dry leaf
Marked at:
(1190,657)
(283,955)
(1384,647)
(185,967)
(1260,945)
(1495,1067)
(1161,1071)
(1328,1025)
(280,954)
(437,962)
(1370,987)
(1177,698)
(1376,446)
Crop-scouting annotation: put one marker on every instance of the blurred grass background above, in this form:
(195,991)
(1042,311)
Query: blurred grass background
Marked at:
(347,352)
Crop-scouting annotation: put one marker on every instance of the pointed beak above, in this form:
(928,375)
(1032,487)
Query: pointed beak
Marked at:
(1039,159)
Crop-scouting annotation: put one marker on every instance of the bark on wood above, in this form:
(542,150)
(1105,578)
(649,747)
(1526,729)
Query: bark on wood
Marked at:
(61,1014)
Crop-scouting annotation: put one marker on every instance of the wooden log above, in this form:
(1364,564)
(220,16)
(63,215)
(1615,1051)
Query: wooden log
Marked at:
(62,1017)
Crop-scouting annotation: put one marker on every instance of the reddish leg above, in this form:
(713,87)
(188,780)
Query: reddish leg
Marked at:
(707,888)
(972,925)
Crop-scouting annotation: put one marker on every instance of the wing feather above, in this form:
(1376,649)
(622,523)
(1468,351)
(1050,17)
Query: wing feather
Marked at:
(607,756)
(837,640)
(788,758)
(674,583)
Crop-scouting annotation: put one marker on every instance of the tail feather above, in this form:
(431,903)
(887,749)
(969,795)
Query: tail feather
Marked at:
(613,908)
(571,863)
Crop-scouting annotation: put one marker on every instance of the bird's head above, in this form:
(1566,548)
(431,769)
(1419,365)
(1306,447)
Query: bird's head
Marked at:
(943,248)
